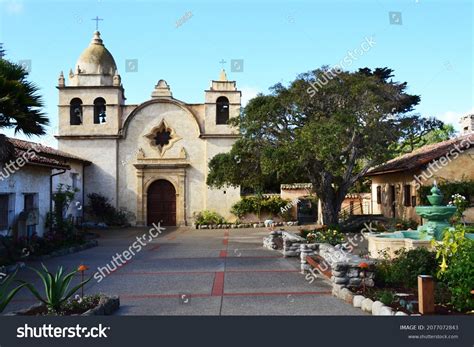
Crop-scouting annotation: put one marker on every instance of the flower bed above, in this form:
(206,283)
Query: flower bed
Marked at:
(396,292)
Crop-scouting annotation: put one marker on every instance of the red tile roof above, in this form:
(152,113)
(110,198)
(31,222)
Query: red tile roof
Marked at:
(424,155)
(44,155)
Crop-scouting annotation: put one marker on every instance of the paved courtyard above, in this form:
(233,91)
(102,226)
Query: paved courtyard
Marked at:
(199,272)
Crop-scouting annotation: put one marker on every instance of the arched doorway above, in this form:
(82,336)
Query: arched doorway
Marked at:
(161,203)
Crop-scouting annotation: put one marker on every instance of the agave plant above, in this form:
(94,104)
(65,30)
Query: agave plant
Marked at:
(6,294)
(56,287)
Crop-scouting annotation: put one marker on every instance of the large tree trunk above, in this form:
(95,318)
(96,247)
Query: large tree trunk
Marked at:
(330,212)
(331,201)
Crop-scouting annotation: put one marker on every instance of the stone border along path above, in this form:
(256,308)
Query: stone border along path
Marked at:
(186,271)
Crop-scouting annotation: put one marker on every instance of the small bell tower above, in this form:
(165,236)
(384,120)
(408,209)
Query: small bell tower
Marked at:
(222,102)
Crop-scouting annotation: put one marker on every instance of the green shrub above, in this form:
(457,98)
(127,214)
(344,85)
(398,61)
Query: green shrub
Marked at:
(259,204)
(100,207)
(207,217)
(463,187)
(455,254)
(404,269)
(386,297)
(63,197)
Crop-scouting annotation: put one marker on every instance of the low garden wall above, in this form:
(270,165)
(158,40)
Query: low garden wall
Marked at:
(288,243)
(345,267)
(244,225)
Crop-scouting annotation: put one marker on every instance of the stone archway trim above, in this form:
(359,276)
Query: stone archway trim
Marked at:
(149,173)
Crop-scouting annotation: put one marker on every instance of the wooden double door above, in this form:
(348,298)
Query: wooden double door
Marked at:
(161,203)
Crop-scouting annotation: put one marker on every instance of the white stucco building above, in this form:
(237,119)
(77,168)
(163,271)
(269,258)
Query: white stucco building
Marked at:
(27,184)
(150,159)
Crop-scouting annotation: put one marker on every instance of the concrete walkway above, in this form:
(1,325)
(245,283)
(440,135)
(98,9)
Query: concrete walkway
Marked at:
(185,271)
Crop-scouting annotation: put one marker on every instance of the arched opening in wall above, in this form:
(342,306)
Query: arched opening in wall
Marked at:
(161,203)
(222,110)
(75,112)
(99,111)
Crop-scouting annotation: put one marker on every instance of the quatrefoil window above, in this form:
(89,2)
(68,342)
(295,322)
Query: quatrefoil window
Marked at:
(162,137)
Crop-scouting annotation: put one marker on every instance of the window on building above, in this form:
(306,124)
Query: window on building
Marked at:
(163,137)
(75,112)
(379,195)
(222,110)
(99,111)
(74,180)
(407,195)
(4,211)
(30,202)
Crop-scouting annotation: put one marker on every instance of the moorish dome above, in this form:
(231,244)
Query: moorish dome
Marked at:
(96,59)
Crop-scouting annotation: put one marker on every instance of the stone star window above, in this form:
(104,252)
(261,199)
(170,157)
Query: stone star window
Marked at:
(162,137)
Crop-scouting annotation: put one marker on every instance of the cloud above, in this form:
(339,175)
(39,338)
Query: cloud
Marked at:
(14,7)
(248,93)
(454,117)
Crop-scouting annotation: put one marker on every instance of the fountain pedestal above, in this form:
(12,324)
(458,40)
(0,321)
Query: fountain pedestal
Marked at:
(437,215)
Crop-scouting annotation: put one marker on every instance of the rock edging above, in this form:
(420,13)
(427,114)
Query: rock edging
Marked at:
(244,225)
(376,308)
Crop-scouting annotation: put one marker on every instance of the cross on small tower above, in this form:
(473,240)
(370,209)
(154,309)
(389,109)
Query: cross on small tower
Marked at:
(97,19)
(222,62)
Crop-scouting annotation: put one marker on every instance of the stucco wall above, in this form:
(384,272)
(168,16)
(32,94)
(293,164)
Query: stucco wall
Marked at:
(29,179)
(219,200)
(101,175)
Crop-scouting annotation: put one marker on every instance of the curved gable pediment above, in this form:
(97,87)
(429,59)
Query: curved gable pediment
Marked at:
(141,107)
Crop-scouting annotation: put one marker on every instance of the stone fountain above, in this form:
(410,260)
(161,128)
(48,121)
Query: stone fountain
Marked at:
(437,215)
(437,220)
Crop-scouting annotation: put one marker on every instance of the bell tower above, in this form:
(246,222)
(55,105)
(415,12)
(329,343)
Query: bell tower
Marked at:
(222,102)
(90,116)
(90,104)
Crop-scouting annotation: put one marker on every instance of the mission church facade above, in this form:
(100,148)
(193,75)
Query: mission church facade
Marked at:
(150,159)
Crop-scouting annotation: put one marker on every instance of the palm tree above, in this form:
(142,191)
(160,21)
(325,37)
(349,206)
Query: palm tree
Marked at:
(20,106)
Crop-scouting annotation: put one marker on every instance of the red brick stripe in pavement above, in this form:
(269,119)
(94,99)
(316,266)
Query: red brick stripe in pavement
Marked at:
(218,286)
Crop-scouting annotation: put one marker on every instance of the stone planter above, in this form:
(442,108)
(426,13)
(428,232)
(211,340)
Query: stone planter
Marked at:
(106,307)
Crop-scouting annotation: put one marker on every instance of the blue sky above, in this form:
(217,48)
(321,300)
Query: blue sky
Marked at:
(432,48)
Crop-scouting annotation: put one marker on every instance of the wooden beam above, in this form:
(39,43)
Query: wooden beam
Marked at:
(425,294)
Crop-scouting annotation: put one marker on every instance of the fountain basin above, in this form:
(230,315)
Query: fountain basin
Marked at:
(390,243)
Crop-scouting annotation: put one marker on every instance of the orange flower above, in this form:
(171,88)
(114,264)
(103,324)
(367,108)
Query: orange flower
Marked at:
(82,268)
(364,265)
